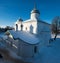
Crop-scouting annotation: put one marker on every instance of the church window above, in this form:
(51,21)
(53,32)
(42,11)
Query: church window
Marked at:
(16,27)
(35,49)
(31,29)
(26,28)
(21,27)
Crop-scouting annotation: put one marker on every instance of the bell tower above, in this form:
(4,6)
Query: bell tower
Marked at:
(35,13)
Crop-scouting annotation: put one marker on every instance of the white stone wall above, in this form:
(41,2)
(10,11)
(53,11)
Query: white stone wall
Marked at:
(34,16)
(42,27)
(26,50)
(44,33)
(34,27)
(31,26)
(18,27)
(15,27)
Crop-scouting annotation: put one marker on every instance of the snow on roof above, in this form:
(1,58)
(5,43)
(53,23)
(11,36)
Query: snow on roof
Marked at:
(30,20)
(44,22)
(25,36)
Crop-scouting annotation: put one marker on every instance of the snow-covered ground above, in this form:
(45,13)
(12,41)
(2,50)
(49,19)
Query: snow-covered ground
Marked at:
(53,35)
(50,53)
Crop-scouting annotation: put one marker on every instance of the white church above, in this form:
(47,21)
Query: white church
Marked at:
(31,35)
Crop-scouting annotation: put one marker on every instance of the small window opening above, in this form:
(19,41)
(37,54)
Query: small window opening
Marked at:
(1,56)
(35,49)
(21,27)
(26,28)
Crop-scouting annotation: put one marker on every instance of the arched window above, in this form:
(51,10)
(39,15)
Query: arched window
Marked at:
(31,29)
(35,49)
(16,26)
(26,28)
(21,27)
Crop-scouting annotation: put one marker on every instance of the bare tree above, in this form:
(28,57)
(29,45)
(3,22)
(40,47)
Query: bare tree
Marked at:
(55,26)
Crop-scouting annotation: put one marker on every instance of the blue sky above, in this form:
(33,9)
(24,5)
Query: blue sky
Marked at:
(11,10)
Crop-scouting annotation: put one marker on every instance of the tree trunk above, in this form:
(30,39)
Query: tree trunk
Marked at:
(55,36)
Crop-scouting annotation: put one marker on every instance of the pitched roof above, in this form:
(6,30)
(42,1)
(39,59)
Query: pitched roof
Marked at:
(30,20)
(25,36)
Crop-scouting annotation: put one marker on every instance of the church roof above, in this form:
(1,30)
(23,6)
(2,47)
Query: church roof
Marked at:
(35,11)
(25,36)
(30,20)
(20,19)
(43,22)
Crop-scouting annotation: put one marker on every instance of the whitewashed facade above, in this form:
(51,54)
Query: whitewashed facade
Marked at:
(31,30)
(33,25)
(27,44)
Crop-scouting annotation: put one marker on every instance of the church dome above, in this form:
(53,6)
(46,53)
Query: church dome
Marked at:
(20,19)
(35,11)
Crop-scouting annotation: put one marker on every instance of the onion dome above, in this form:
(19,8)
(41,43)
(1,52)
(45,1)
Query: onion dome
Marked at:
(20,19)
(35,11)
